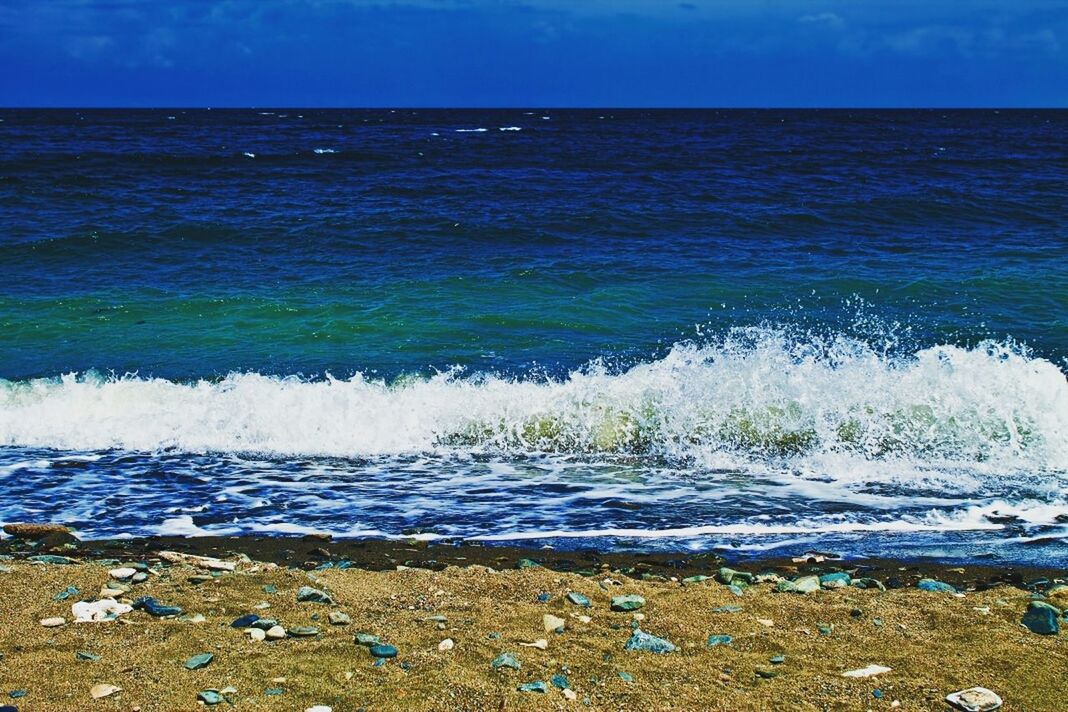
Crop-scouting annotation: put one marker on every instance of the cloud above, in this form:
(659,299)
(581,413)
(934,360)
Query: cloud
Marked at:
(827,19)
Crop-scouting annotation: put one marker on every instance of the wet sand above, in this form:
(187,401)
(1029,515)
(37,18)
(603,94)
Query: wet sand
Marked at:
(491,600)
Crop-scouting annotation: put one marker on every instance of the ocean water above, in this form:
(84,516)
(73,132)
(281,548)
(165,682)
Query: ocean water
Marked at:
(755,331)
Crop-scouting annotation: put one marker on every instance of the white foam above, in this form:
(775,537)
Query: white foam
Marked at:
(510,128)
(322,151)
(471,130)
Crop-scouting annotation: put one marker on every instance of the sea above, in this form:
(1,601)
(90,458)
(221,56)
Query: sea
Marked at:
(754,332)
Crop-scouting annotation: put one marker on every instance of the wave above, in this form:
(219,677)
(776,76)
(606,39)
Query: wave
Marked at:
(758,397)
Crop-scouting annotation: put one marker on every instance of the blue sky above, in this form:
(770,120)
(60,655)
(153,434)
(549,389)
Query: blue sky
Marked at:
(534,53)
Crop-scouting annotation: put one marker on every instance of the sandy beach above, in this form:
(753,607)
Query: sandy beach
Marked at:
(786,650)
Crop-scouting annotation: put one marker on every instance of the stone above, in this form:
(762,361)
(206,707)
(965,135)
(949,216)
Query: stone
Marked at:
(53,622)
(777,659)
(975,699)
(34,530)
(244,621)
(559,681)
(569,694)
(806,584)
(526,564)
(68,592)
(505,660)
(537,686)
(766,673)
(869,671)
(728,609)
(210,697)
(736,590)
(203,562)
(935,586)
(766,622)
(446,645)
(257,635)
(695,579)
(276,632)
(383,650)
(103,690)
(86,655)
(825,628)
(640,640)
(339,618)
(629,602)
(303,631)
(728,576)
(52,559)
(1041,618)
(625,676)
(154,608)
(868,583)
(367,639)
(320,708)
(839,579)
(578,599)
(106,609)
(198,662)
(551,623)
(121,574)
(307,594)
(714,640)
(540,644)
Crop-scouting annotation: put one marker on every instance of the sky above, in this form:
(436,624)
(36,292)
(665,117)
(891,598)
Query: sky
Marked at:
(533,53)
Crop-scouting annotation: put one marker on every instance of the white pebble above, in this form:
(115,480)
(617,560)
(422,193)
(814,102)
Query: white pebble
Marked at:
(53,622)
(276,632)
(257,634)
(446,644)
(124,572)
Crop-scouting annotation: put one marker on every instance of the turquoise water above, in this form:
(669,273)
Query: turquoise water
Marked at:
(753,330)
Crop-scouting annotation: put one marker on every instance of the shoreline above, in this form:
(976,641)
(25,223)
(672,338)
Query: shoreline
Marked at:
(692,631)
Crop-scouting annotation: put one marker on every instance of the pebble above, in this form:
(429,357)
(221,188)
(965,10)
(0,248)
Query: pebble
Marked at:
(767,673)
(86,655)
(103,690)
(198,662)
(625,676)
(728,609)
(835,580)
(210,697)
(559,681)
(552,623)
(320,708)
(446,644)
(339,618)
(52,559)
(244,621)
(66,593)
(53,622)
(935,586)
(121,574)
(34,530)
(154,608)
(714,640)
(367,639)
(307,594)
(640,640)
(382,650)
(578,599)
(276,632)
(767,622)
(569,694)
(869,671)
(540,644)
(975,699)
(629,602)
(507,660)
(106,609)
(257,634)
(1041,618)
(807,584)
(304,631)
(537,686)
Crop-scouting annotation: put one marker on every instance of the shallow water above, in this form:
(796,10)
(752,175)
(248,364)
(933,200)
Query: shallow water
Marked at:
(755,330)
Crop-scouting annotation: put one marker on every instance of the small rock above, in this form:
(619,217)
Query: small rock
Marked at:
(446,644)
(728,609)
(304,631)
(307,594)
(935,586)
(106,609)
(382,650)
(66,593)
(257,634)
(154,608)
(199,661)
(552,623)
(244,621)
(210,697)
(505,660)
(777,659)
(806,584)
(640,640)
(714,640)
(537,686)
(526,564)
(629,602)
(1041,618)
(559,681)
(766,673)
(121,574)
(86,655)
(869,671)
(974,699)
(835,580)
(276,632)
(103,690)
(578,599)
(625,676)
(540,644)
(569,694)
(339,618)
(367,639)
(34,530)
(52,559)
(320,708)
(766,622)
(53,622)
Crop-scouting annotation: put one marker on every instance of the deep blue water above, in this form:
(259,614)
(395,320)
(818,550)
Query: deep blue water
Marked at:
(758,327)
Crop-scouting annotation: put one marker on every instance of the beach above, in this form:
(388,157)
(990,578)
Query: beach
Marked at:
(745,645)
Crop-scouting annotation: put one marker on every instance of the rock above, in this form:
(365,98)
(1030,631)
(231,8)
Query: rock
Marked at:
(526,564)
(552,623)
(625,676)
(317,536)
(33,531)
(974,699)
(559,681)
(106,609)
(276,632)
(728,609)
(199,661)
(786,587)
(203,562)
(339,618)
(868,583)
(766,622)
(728,576)
(540,644)
(139,577)
(257,634)
(320,708)
(777,659)
(367,639)
(806,584)
(244,621)
(154,608)
(210,697)
(714,640)
(121,574)
(838,579)
(766,673)
(52,559)
(446,645)
(869,671)
(103,690)
(304,631)
(629,602)
(825,628)
(736,590)
(695,579)
(1041,618)
(68,592)
(537,686)
(53,622)
(505,660)
(935,586)
(640,640)
(307,594)
(86,655)
(569,694)
(382,650)
(578,599)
